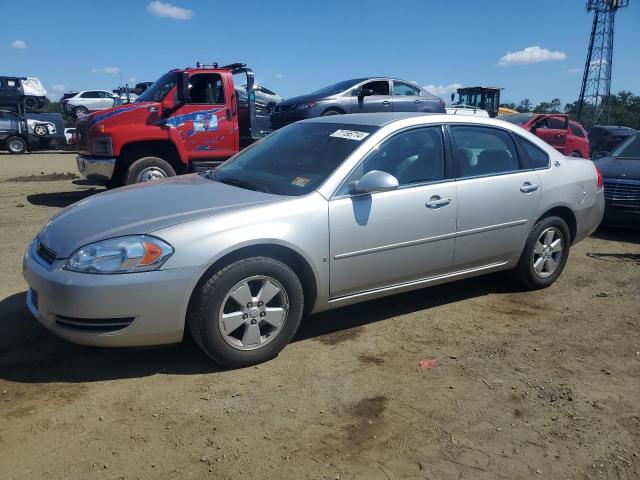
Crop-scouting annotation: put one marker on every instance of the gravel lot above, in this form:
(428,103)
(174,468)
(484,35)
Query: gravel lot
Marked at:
(527,384)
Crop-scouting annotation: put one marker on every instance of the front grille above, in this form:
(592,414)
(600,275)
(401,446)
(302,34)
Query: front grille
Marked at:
(94,325)
(282,108)
(622,191)
(81,136)
(46,254)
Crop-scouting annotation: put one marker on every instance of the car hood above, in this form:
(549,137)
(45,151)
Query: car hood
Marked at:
(144,208)
(304,99)
(619,168)
(126,114)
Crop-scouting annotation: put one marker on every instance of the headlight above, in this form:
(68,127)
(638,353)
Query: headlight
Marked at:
(139,253)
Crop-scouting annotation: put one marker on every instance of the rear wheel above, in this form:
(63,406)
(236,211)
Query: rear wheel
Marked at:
(247,312)
(148,168)
(79,112)
(16,145)
(31,103)
(545,254)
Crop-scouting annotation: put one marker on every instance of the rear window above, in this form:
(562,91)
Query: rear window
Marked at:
(69,95)
(517,119)
(630,148)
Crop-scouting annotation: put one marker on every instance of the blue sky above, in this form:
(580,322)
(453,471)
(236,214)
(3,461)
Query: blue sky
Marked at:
(297,46)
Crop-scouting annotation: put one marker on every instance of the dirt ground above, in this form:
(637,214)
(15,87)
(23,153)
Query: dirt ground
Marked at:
(527,384)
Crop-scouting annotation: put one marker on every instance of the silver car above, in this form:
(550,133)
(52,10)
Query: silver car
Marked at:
(320,214)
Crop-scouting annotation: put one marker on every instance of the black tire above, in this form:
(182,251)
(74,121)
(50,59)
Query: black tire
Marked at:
(31,103)
(331,111)
(153,167)
(525,273)
(207,300)
(79,112)
(575,154)
(16,145)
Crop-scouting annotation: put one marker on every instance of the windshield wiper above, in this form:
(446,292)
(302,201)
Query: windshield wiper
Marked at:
(241,183)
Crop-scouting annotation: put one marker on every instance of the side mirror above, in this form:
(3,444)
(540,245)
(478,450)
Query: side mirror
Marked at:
(182,88)
(375,181)
(365,92)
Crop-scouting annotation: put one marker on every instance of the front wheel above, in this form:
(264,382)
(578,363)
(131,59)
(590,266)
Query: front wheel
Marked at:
(545,254)
(16,145)
(331,111)
(575,154)
(148,168)
(80,112)
(247,312)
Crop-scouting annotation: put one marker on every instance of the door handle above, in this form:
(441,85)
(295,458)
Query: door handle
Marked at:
(437,202)
(528,187)
(386,103)
(417,101)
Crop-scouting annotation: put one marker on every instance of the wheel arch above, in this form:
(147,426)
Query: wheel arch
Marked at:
(566,214)
(132,151)
(285,254)
(334,108)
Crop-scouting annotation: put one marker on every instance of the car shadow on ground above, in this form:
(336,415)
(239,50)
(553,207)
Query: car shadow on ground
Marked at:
(616,234)
(61,199)
(31,354)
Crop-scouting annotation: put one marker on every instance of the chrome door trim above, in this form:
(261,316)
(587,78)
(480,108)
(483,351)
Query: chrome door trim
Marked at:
(429,239)
(407,286)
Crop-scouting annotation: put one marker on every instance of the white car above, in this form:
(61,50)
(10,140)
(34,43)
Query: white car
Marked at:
(78,104)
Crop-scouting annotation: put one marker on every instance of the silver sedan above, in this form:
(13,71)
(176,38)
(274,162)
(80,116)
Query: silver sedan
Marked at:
(320,214)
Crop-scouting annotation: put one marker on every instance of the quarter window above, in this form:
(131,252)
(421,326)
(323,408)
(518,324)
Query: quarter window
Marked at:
(413,157)
(482,151)
(534,157)
(405,89)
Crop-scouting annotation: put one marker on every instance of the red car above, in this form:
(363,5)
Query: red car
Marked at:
(566,136)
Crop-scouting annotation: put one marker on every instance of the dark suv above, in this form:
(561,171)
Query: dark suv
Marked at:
(360,95)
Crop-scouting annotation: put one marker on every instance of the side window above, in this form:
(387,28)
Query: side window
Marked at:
(11,83)
(90,95)
(557,123)
(576,130)
(206,88)
(534,157)
(379,87)
(106,94)
(413,157)
(405,89)
(482,151)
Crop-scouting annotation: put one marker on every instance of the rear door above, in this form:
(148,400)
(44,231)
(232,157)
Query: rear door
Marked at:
(497,199)
(380,101)
(205,124)
(553,130)
(406,97)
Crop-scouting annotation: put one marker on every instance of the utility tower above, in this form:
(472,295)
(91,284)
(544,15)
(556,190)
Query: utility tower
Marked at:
(593,104)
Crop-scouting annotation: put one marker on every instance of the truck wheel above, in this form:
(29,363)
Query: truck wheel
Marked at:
(79,112)
(16,145)
(31,103)
(246,312)
(148,168)
(545,254)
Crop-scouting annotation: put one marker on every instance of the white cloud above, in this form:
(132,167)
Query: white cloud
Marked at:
(108,70)
(598,62)
(59,88)
(131,79)
(19,44)
(278,76)
(533,54)
(574,70)
(167,10)
(440,90)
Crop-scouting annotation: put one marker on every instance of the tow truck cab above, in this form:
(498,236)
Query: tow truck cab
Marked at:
(187,121)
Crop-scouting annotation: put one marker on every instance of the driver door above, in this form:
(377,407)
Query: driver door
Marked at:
(553,130)
(389,238)
(380,101)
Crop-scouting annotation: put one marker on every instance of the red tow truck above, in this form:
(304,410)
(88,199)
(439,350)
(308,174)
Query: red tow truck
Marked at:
(189,120)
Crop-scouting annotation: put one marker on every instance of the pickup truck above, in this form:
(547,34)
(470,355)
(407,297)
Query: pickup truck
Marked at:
(187,121)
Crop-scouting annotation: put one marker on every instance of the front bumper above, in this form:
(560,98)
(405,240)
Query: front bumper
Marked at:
(621,214)
(120,310)
(99,170)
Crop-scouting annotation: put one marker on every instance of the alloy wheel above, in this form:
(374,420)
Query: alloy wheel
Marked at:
(16,146)
(253,313)
(151,173)
(548,251)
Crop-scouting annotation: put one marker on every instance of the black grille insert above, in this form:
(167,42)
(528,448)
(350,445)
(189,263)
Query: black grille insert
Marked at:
(96,325)
(46,254)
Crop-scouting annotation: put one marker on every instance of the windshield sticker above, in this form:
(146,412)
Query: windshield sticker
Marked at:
(350,134)
(300,181)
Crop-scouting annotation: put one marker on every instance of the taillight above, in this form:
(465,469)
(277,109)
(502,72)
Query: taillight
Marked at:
(600,179)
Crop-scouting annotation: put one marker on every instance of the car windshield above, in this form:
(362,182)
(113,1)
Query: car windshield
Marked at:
(337,87)
(517,119)
(294,160)
(159,89)
(630,148)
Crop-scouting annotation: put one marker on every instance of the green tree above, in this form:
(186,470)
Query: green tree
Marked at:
(525,106)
